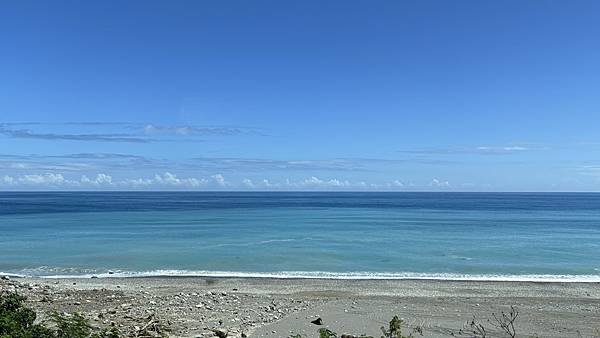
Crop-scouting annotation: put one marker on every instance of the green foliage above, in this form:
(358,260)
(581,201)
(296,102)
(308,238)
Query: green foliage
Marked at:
(327,333)
(106,333)
(17,321)
(395,329)
(70,326)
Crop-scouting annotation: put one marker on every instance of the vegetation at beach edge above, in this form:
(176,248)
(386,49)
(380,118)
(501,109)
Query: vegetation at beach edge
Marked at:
(19,321)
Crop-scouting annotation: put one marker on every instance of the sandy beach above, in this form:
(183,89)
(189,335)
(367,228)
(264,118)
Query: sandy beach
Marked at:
(254,307)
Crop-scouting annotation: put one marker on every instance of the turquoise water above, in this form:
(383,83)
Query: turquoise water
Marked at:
(332,235)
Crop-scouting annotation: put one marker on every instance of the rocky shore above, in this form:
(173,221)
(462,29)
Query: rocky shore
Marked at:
(219,307)
(203,310)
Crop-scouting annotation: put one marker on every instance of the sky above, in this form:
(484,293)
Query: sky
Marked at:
(300,95)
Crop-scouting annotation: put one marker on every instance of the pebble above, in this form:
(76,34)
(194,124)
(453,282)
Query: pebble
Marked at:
(131,309)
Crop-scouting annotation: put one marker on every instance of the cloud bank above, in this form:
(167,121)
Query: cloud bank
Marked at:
(171,181)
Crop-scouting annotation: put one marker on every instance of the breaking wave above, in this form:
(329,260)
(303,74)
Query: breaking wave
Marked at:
(71,273)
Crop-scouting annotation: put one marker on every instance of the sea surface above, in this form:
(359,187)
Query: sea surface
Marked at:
(463,236)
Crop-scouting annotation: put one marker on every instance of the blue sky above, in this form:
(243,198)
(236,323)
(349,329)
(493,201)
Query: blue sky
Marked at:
(303,95)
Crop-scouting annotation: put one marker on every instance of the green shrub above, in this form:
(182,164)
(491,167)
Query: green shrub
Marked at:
(17,321)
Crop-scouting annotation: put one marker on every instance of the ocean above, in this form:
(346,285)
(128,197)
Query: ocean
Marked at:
(461,236)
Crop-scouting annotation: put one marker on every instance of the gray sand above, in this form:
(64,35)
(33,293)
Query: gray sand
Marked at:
(192,306)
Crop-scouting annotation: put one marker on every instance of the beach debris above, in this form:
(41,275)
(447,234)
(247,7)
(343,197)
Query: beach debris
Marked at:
(132,310)
(317,321)
(221,333)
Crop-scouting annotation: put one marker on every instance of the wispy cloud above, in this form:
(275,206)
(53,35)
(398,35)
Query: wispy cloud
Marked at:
(258,164)
(478,150)
(78,162)
(91,156)
(28,134)
(152,129)
(120,132)
(336,164)
(35,166)
(590,170)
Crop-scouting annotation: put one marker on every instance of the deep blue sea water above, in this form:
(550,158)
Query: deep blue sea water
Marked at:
(333,235)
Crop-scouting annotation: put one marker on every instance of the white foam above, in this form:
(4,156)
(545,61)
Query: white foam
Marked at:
(340,275)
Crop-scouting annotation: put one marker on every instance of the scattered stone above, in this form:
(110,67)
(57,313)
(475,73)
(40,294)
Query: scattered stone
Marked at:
(317,321)
(221,333)
(133,311)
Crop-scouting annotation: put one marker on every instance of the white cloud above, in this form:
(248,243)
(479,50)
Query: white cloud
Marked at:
(101,179)
(515,148)
(439,184)
(189,130)
(590,170)
(170,179)
(41,180)
(499,150)
(220,180)
(8,179)
(246,182)
(138,182)
(314,182)
(44,179)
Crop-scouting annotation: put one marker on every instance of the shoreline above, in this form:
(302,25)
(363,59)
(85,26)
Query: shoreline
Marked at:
(268,307)
(319,275)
